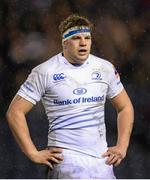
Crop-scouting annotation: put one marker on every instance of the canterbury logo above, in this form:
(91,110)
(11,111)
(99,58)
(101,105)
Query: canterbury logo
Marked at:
(58,77)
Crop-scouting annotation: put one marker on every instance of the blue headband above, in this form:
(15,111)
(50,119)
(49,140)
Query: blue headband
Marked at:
(75,30)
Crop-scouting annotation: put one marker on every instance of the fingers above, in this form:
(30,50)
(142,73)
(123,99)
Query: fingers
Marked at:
(111,159)
(117,162)
(114,157)
(54,160)
(48,164)
(49,157)
(106,154)
(56,150)
(58,157)
(54,155)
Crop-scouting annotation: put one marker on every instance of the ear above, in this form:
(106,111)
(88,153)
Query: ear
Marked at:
(64,44)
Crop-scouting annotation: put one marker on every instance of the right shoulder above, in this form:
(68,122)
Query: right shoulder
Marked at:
(47,66)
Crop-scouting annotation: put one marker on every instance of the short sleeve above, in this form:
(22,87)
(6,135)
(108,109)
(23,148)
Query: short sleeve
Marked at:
(34,87)
(114,84)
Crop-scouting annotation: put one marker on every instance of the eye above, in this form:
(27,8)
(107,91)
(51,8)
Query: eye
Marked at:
(88,37)
(75,37)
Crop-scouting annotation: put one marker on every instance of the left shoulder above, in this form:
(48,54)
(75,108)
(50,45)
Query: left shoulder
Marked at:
(107,65)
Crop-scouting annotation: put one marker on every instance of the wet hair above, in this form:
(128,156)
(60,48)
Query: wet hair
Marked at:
(74,20)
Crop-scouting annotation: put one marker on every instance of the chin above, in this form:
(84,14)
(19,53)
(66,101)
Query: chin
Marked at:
(83,57)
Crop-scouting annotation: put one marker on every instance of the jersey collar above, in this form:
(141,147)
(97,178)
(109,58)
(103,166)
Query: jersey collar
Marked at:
(65,61)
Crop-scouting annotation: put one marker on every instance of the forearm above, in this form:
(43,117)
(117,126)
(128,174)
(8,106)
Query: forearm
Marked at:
(18,125)
(125,120)
(125,125)
(19,128)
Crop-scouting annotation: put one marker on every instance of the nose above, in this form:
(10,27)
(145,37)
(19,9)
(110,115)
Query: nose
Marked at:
(82,42)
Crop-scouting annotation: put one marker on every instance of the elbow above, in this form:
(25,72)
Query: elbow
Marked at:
(9,115)
(13,114)
(131,110)
(130,113)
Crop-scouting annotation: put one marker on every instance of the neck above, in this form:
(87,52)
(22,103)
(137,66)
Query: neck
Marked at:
(72,61)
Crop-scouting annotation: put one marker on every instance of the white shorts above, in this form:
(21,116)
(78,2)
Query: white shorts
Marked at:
(77,165)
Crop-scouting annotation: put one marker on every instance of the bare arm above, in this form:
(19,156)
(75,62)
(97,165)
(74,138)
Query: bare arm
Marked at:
(125,120)
(18,108)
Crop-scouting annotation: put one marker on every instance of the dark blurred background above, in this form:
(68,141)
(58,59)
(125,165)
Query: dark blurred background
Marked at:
(29,36)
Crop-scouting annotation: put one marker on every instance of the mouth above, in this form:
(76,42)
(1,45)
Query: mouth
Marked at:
(82,51)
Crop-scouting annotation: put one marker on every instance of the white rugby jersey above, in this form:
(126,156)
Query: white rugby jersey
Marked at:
(74,99)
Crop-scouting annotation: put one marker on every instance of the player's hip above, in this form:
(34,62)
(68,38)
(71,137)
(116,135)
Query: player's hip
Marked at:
(77,165)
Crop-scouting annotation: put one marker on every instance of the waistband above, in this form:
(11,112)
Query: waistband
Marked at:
(72,153)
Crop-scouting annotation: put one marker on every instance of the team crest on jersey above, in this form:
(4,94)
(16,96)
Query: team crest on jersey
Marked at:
(96,75)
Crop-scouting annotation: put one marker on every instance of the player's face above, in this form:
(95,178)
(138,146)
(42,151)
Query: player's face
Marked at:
(77,48)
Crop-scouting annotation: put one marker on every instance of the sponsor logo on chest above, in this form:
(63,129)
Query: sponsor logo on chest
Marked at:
(59,77)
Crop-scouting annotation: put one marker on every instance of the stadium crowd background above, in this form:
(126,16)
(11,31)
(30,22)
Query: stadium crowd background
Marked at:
(29,35)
